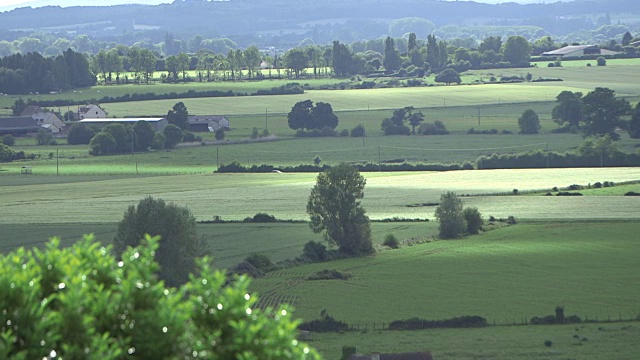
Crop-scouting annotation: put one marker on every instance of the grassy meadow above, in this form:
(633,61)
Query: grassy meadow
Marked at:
(504,275)
(585,341)
(387,194)
(579,252)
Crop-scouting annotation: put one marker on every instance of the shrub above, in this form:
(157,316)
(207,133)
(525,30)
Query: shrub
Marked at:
(435,128)
(391,241)
(158,141)
(43,137)
(261,262)
(188,136)
(358,131)
(172,136)
(315,252)
(261,218)
(548,343)
(343,133)
(6,154)
(457,322)
(9,140)
(254,133)
(317,160)
(327,274)
(102,144)
(601,61)
(83,303)
(326,323)
(220,134)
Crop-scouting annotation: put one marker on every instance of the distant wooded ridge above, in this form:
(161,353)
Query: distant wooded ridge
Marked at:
(284,23)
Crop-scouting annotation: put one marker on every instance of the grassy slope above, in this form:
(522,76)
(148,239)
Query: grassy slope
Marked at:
(236,196)
(511,273)
(594,342)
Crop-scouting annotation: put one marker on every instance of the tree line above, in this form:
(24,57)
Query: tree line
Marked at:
(404,56)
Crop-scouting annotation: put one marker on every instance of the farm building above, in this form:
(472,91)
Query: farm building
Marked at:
(158,124)
(578,51)
(89,112)
(31,110)
(49,121)
(207,122)
(18,125)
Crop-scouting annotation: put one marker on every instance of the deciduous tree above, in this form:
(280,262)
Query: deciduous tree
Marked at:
(516,50)
(334,209)
(176,226)
(450,217)
(80,133)
(173,136)
(634,124)
(179,116)
(144,135)
(602,112)
(529,122)
(569,109)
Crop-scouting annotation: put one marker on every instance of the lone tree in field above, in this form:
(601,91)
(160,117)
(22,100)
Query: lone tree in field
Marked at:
(448,76)
(450,216)
(334,208)
(529,122)
(179,243)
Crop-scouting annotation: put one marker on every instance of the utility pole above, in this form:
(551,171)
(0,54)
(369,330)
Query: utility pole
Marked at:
(217,158)
(478,115)
(57,162)
(363,134)
(266,119)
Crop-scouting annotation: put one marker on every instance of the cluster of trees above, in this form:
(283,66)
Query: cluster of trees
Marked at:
(120,139)
(33,73)
(401,119)
(596,114)
(306,116)
(405,56)
(454,220)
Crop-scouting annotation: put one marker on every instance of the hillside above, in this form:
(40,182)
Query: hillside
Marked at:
(285,19)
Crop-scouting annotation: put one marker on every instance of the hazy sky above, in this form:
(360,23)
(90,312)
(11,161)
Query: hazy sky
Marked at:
(6,5)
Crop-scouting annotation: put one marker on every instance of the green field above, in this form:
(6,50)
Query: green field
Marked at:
(578,252)
(287,150)
(236,196)
(505,275)
(593,342)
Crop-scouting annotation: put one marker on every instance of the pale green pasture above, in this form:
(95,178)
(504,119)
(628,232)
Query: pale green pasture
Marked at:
(286,150)
(593,342)
(505,275)
(356,100)
(99,91)
(617,77)
(236,196)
